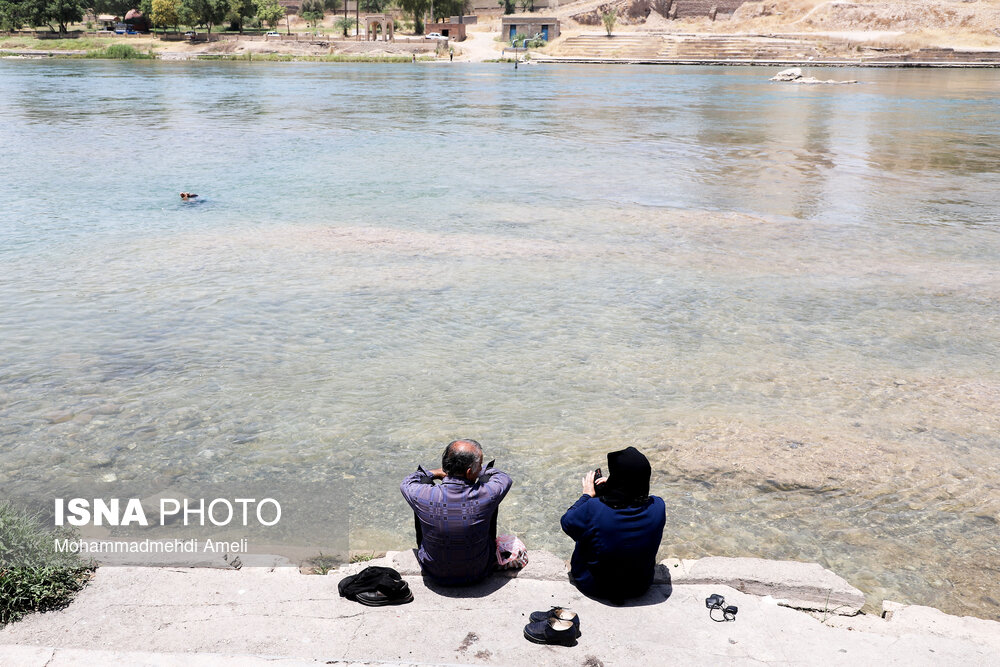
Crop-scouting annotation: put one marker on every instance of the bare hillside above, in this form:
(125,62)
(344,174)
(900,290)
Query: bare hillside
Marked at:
(957,23)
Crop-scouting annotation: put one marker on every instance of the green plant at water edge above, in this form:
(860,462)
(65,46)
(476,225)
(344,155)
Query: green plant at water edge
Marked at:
(323,563)
(325,58)
(33,575)
(362,558)
(120,52)
(609,19)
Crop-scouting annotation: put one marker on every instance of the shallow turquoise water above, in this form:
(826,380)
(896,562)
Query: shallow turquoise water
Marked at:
(557,261)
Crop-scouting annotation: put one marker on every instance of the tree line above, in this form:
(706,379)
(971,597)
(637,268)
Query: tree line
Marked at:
(57,15)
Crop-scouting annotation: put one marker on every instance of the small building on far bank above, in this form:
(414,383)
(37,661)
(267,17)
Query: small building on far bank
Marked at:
(136,21)
(529,25)
(455,32)
(106,21)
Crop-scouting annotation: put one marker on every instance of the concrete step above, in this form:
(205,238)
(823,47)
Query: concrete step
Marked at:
(201,617)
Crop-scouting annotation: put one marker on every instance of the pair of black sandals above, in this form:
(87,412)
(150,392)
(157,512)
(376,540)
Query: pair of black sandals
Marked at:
(555,626)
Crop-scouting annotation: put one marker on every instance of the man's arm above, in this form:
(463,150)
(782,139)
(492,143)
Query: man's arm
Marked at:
(414,482)
(496,485)
(574,521)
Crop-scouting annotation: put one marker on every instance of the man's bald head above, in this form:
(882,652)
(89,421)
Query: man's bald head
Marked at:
(462,458)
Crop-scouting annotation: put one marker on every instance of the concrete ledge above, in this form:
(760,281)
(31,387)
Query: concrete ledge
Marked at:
(799,585)
(276,616)
(806,586)
(47,656)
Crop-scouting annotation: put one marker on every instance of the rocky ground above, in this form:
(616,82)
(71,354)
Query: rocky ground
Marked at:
(952,23)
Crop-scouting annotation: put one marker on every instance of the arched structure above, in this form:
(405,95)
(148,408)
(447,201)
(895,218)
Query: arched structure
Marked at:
(375,21)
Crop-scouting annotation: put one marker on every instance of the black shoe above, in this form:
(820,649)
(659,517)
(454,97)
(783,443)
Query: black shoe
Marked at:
(551,631)
(379,599)
(558,613)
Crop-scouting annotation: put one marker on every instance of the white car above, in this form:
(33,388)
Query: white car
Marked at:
(272,34)
(435,35)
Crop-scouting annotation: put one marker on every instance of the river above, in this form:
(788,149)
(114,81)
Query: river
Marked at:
(785,295)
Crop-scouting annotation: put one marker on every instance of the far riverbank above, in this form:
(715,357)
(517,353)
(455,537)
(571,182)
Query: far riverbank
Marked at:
(855,49)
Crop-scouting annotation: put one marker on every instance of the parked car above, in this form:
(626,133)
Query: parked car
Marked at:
(272,34)
(435,35)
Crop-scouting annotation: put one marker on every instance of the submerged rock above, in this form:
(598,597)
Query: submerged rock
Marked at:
(794,75)
(791,74)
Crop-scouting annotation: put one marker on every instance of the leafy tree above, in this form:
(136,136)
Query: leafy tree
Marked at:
(375,6)
(270,12)
(447,8)
(205,12)
(114,7)
(346,24)
(312,18)
(13,14)
(60,12)
(508,6)
(241,11)
(312,11)
(417,8)
(609,18)
(165,12)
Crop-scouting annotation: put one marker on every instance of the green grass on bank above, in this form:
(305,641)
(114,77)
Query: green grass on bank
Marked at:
(33,575)
(120,52)
(126,52)
(81,44)
(324,58)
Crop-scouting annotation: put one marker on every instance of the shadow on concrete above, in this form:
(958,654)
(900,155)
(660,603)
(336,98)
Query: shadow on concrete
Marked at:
(488,586)
(659,592)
